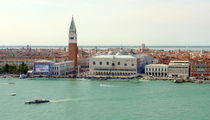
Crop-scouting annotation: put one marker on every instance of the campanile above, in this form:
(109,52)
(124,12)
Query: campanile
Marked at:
(73,49)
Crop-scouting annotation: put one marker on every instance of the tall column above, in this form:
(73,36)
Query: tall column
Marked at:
(73,49)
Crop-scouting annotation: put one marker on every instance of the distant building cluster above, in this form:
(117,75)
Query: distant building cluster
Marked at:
(109,62)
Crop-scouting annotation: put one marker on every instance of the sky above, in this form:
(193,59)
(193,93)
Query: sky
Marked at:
(105,22)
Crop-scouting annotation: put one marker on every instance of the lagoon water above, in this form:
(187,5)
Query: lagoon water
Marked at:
(80,99)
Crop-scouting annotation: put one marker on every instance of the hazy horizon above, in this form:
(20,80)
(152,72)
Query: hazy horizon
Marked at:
(106,22)
(21,45)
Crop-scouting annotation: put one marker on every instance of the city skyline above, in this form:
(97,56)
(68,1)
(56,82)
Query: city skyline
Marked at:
(110,22)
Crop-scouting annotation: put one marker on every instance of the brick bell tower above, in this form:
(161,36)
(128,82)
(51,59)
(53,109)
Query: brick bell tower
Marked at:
(73,49)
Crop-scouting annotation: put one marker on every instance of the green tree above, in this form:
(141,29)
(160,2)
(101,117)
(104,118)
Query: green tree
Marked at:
(5,68)
(23,68)
(0,69)
(13,69)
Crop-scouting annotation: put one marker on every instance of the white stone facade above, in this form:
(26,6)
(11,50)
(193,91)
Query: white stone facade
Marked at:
(179,69)
(113,65)
(157,70)
(83,64)
(62,68)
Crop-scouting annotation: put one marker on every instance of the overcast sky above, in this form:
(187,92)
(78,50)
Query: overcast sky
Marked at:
(105,22)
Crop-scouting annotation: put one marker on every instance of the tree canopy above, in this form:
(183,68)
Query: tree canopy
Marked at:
(14,69)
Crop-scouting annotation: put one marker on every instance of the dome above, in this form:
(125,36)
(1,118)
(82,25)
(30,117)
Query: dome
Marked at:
(118,53)
(122,52)
(98,53)
(111,53)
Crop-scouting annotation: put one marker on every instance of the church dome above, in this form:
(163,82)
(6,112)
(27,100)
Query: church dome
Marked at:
(98,53)
(122,52)
(111,53)
(118,53)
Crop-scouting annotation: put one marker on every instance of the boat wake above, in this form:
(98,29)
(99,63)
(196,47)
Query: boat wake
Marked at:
(144,80)
(63,100)
(10,83)
(3,83)
(106,85)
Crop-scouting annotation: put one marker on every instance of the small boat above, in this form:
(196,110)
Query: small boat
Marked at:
(22,76)
(37,101)
(13,94)
(178,81)
(11,83)
(106,85)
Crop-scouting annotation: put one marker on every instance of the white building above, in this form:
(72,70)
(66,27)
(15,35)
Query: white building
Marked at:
(83,64)
(111,64)
(46,67)
(179,69)
(160,70)
(63,68)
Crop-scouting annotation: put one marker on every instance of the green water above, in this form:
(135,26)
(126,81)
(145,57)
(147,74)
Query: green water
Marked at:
(101,100)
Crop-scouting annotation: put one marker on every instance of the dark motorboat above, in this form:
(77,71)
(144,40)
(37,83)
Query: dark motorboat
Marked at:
(37,101)
(11,83)
(178,81)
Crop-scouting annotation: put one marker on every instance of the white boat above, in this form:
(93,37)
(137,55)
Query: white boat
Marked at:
(22,76)
(13,94)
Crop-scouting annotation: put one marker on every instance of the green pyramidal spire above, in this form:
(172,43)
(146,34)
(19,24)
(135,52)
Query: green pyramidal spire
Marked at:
(72,26)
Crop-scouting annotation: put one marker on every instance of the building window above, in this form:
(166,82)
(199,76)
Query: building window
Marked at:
(118,63)
(132,64)
(125,64)
(107,63)
(71,38)
(100,63)
(94,62)
(112,64)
